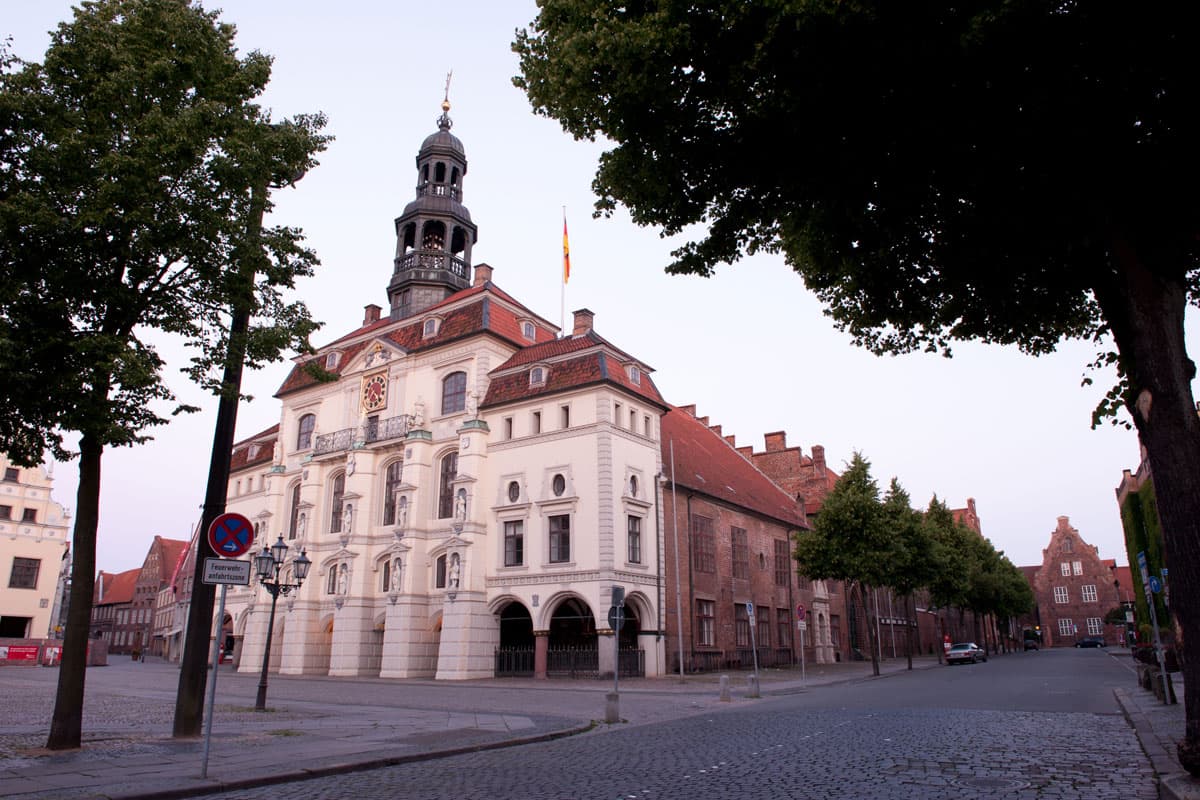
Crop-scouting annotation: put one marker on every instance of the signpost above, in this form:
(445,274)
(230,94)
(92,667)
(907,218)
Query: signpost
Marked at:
(1148,586)
(802,626)
(753,645)
(616,617)
(229,535)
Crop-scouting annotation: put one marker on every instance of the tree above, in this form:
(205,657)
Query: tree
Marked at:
(914,563)
(850,540)
(123,202)
(1011,171)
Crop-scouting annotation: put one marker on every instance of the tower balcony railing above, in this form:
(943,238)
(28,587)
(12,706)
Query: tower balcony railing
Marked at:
(432,260)
(439,190)
(390,428)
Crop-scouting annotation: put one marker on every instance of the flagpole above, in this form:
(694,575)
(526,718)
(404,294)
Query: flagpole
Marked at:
(562,299)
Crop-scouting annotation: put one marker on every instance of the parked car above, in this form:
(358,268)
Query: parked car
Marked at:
(1090,641)
(965,653)
(1031,644)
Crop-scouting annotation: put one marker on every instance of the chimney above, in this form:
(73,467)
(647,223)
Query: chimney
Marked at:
(583,321)
(483,274)
(689,409)
(716,429)
(732,440)
(818,458)
(776,441)
(371,313)
(747,451)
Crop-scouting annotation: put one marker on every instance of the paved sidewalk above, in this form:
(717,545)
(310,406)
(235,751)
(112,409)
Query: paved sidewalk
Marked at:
(1159,728)
(323,726)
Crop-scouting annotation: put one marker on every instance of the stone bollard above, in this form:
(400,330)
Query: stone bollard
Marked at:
(725,697)
(752,686)
(612,707)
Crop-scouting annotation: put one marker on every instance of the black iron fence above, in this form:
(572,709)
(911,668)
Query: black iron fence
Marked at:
(514,662)
(567,662)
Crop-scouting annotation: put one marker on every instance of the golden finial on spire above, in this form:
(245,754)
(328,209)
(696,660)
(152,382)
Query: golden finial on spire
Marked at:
(446,96)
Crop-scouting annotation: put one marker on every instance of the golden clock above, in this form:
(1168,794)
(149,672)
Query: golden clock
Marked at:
(374,392)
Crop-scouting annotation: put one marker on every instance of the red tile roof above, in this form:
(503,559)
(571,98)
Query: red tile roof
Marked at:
(264,440)
(114,589)
(705,462)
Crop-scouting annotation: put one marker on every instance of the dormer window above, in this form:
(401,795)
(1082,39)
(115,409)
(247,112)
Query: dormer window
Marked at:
(430,328)
(528,331)
(537,376)
(635,374)
(332,359)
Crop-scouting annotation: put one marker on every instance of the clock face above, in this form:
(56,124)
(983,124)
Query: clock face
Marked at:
(374,392)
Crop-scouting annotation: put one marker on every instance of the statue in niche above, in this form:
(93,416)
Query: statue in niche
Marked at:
(348,519)
(419,413)
(301,525)
(455,571)
(396,575)
(344,579)
(401,511)
(472,406)
(460,505)
(350,461)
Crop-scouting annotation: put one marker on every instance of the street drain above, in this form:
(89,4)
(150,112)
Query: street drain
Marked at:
(992,784)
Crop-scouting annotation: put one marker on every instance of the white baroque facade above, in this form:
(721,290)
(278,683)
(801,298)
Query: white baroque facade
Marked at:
(469,484)
(34,545)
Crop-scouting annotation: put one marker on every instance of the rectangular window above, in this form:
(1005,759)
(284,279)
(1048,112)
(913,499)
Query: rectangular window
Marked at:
(29,515)
(632,420)
(1066,568)
(1089,593)
(535,424)
(835,629)
(634,527)
(24,573)
(705,612)
(646,426)
(508,429)
(704,552)
(1077,567)
(1060,594)
(12,474)
(514,543)
(741,553)
(5,512)
(617,414)
(762,619)
(564,416)
(1066,627)
(560,539)
(1095,626)
(741,625)
(783,628)
(783,562)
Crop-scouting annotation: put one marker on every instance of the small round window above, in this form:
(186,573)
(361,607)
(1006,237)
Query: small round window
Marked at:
(559,485)
(514,491)
(633,486)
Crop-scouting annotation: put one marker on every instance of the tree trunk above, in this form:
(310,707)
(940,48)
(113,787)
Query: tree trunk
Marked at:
(872,642)
(911,607)
(66,724)
(1144,308)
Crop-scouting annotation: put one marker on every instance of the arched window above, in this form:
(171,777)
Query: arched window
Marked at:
(446,487)
(433,237)
(391,483)
(335,504)
(454,393)
(332,586)
(294,522)
(304,434)
(439,172)
(454,177)
(410,236)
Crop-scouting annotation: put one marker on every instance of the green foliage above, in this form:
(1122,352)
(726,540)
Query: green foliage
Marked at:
(1139,518)
(131,154)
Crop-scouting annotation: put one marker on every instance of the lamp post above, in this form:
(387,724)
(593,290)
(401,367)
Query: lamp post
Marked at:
(267,565)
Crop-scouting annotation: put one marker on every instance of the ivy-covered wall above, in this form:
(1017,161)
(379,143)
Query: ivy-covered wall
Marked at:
(1139,518)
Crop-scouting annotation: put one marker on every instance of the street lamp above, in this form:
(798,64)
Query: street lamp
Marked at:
(267,565)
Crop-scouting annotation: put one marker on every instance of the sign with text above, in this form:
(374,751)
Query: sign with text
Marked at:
(19,652)
(227,571)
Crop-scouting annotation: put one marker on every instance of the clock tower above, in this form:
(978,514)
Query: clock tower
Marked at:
(435,233)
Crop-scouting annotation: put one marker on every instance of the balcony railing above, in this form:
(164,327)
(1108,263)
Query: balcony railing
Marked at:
(438,190)
(333,442)
(390,428)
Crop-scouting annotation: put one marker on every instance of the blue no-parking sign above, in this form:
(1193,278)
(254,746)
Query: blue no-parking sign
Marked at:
(230,535)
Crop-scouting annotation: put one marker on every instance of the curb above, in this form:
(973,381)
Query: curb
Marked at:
(218,787)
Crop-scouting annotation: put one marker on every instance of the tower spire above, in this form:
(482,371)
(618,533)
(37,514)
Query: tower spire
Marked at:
(444,122)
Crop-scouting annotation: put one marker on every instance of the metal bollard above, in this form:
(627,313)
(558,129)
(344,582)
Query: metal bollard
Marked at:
(612,707)
(752,686)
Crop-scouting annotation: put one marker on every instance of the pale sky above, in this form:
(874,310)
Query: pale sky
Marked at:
(750,347)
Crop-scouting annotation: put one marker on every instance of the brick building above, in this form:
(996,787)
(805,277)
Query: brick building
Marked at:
(112,610)
(157,570)
(1074,589)
(733,528)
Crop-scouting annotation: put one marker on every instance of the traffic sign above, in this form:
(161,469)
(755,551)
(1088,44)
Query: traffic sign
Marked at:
(802,625)
(228,571)
(800,612)
(616,617)
(750,612)
(1155,584)
(230,535)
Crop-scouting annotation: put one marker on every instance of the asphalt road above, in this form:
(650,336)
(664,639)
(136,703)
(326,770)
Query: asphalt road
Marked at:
(1038,725)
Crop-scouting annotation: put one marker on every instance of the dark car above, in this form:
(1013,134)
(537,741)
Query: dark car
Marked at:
(965,653)
(1031,644)
(1090,641)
